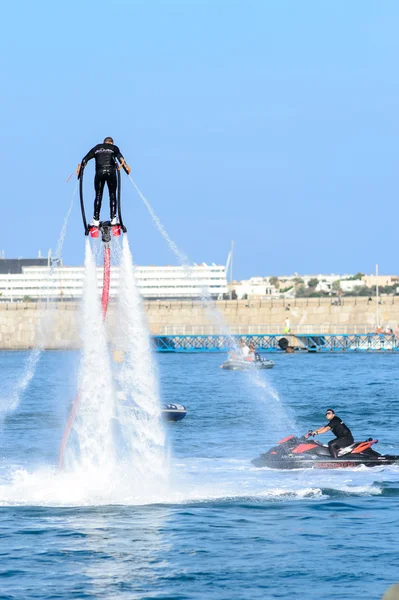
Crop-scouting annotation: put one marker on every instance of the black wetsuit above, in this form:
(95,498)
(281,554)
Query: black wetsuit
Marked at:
(343,435)
(105,156)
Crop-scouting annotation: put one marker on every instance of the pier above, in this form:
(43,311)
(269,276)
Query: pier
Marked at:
(178,326)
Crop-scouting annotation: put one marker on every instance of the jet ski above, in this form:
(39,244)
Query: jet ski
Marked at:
(241,364)
(302,453)
(173,412)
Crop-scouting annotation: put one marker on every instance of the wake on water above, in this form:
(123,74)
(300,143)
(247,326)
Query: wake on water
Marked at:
(194,480)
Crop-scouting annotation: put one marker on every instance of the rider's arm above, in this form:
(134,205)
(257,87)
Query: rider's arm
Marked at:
(88,157)
(84,162)
(121,159)
(323,429)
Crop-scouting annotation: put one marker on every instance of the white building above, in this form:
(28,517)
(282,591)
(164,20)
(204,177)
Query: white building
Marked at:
(259,287)
(66,283)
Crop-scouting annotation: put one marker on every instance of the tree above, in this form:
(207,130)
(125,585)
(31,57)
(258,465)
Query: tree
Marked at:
(274,281)
(336,285)
(298,281)
(312,283)
(358,275)
(301,291)
(363,290)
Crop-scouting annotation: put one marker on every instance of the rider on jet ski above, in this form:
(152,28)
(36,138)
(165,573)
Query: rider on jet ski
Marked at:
(343,434)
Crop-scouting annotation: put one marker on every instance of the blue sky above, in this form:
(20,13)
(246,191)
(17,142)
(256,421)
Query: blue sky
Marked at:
(270,123)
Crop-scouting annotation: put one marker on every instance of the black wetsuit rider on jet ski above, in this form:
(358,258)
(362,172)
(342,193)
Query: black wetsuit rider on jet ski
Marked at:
(105,155)
(343,434)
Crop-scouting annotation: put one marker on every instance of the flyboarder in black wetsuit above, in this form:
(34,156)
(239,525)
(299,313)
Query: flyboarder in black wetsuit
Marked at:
(343,434)
(105,155)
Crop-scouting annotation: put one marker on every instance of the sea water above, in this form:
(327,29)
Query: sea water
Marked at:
(222,529)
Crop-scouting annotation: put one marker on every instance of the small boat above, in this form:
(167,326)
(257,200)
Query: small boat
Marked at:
(237,364)
(170,412)
(173,412)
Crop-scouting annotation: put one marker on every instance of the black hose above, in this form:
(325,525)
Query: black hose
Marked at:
(82,206)
(119,202)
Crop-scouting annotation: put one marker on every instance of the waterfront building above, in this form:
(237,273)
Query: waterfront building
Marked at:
(155,283)
(285,286)
(381,280)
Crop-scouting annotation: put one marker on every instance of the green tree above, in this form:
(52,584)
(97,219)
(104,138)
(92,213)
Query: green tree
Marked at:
(301,291)
(274,281)
(363,290)
(336,285)
(357,276)
(312,283)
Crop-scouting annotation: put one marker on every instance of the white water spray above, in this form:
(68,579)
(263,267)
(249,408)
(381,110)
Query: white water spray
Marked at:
(183,259)
(264,389)
(11,400)
(212,312)
(93,445)
(138,409)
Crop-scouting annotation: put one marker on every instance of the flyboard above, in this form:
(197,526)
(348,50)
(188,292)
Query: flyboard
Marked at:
(107,231)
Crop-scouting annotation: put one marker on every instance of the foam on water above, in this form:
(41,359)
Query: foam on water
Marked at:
(194,480)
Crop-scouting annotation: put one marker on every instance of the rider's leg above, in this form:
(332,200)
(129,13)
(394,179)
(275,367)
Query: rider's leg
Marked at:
(333,448)
(335,445)
(99,188)
(112,185)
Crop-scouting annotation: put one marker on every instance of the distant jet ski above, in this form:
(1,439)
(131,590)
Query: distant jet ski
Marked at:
(242,364)
(302,453)
(173,412)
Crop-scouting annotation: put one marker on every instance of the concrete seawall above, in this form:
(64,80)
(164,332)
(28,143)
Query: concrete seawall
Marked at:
(57,325)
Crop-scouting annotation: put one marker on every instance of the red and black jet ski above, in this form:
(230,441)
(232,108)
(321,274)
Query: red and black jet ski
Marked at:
(303,453)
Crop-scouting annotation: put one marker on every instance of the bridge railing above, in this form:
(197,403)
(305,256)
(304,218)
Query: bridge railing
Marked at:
(361,342)
(265,328)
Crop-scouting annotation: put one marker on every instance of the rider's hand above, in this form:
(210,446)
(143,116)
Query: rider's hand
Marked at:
(314,433)
(127,168)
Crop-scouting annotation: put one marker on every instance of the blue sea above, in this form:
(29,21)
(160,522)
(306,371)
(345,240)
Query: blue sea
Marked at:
(220,529)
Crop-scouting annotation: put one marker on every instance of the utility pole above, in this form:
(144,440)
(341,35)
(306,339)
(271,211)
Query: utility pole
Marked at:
(231,268)
(377,316)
